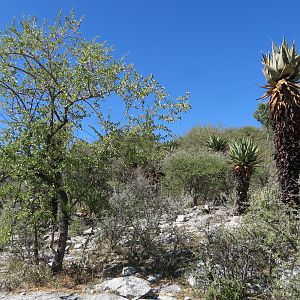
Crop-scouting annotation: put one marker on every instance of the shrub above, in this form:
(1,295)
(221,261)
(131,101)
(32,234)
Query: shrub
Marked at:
(197,137)
(257,253)
(205,175)
(25,274)
(86,269)
(225,289)
(132,228)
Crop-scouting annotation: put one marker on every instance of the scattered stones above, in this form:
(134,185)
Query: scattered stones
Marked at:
(128,286)
(106,296)
(59,296)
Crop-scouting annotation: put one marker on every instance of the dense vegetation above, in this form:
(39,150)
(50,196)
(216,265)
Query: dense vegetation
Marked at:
(54,185)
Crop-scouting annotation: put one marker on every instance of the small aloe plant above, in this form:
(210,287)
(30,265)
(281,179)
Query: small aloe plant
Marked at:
(244,156)
(217,143)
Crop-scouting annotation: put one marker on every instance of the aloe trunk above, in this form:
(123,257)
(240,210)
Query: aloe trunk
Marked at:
(242,180)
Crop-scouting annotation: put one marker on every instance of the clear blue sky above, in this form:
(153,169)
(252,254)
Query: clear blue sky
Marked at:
(210,48)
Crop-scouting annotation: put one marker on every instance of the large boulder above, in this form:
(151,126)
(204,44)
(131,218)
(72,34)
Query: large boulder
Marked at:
(130,287)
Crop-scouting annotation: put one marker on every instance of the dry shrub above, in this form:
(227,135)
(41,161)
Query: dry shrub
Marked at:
(257,254)
(138,227)
(25,274)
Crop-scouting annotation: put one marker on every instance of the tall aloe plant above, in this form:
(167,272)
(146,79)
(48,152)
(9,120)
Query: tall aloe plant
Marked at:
(244,157)
(282,72)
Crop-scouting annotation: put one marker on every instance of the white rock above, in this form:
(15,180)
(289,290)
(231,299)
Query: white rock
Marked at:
(206,209)
(130,287)
(77,246)
(152,279)
(170,289)
(166,298)
(191,280)
(181,218)
(128,271)
(234,222)
(58,296)
(88,231)
(106,296)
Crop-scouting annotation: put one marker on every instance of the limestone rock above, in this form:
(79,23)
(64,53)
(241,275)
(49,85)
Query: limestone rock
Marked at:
(181,218)
(130,287)
(166,298)
(59,296)
(128,271)
(170,289)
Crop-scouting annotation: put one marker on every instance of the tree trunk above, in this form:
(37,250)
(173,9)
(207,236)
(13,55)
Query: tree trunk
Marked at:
(286,126)
(36,245)
(63,230)
(287,156)
(242,179)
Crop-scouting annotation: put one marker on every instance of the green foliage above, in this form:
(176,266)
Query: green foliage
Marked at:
(262,115)
(225,289)
(205,174)
(282,63)
(87,176)
(51,80)
(244,153)
(198,136)
(134,149)
(217,143)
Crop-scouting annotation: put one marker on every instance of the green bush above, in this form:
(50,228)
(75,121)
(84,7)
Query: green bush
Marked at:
(225,289)
(197,137)
(205,175)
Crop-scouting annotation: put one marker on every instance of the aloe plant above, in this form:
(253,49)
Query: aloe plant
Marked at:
(282,72)
(217,143)
(244,156)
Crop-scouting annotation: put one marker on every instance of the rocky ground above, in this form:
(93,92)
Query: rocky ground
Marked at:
(129,284)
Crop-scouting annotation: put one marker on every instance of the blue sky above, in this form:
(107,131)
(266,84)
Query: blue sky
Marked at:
(210,48)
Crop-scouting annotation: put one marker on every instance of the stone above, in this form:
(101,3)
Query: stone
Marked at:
(58,296)
(130,287)
(192,280)
(181,218)
(105,296)
(128,271)
(166,298)
(206,209)
(170,289)
(88,231)
(77,246)
(152,279)
(234,222)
